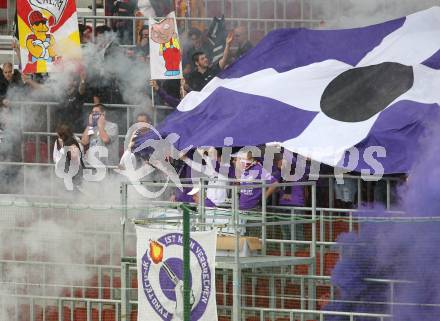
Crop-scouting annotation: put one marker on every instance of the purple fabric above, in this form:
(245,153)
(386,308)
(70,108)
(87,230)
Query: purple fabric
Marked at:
(400,129)
(291,195)
(253,120)
(286,49)
(169,99)
(433,61)
(182,196)
(251,197)
(296,197)
(241,116)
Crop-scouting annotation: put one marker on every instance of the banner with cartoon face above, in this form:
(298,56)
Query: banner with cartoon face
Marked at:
(165,52)
(48,34)
(160,275)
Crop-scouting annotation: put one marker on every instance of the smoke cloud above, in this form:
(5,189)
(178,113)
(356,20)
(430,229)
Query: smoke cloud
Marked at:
(404,249)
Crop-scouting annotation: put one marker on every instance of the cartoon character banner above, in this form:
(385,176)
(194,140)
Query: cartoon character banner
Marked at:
(160,275)
(48,33)
(165,53)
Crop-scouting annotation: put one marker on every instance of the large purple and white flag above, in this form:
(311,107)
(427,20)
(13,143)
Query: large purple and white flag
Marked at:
(160,275)
(322,92)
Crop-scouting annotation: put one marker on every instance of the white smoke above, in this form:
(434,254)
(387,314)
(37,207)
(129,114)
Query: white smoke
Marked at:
(359,13)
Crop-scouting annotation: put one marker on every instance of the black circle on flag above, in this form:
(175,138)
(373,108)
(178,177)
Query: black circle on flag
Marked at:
(360,93)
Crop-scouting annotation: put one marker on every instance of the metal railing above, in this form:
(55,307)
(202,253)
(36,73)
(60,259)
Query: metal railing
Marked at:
(252,24)
(249,277)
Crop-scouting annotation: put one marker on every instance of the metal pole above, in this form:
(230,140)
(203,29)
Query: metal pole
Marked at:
(236,272)
(94,20)
(153,105)
(311,285)
(388,194)
(125,297)
(264,219)
(186,265)
(202,197)
(123,193)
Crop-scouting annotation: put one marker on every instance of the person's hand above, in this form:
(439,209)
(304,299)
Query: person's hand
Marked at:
(6,102)
(229,38)
(173,198)
(286,197)
(101,121)
(153,83)
(14,44)
(25,78)
(182,88)
(82,75)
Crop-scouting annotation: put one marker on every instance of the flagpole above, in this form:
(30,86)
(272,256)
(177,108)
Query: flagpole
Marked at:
(186,265)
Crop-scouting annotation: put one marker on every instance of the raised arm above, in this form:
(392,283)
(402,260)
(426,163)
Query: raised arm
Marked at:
(222,62)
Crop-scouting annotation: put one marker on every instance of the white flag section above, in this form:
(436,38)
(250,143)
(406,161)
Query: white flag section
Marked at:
(165,53)
(160,275)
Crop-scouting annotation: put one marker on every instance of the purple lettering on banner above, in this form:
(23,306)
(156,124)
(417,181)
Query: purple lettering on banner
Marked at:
(205,278)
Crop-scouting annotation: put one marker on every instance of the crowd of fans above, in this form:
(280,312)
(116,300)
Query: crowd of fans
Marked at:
(199,67)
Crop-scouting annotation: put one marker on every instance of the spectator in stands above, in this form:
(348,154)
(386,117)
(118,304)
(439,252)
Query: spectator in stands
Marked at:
(198,44)
(142,50)
(70,110)
(345,193)
(291,196)
(143,118)
(9,78)
(73,154)
(251,169)
(242,42)
(124,28)
(85,33)
(203,72)
(101,132)
(170,100)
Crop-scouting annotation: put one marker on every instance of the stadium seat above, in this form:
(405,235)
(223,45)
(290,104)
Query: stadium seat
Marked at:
(93,291)
(293,10)
(219,289)
(292,293)
(52,313)
(224,318)
(117,282)
(304,269)
(267,9)
(322,295)
(214,7)
(24,312)
(108,314)
(133,315)
(229,298)
(330,260)
(106,289)
(240,9)
(30,152)
(79,314)
(248,291)
(262,293)
(134,282)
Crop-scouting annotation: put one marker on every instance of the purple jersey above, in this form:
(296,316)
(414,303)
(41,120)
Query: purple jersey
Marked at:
(182,196)
(251,197)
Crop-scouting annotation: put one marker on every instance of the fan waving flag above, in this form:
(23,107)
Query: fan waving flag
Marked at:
(321,92)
